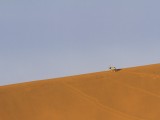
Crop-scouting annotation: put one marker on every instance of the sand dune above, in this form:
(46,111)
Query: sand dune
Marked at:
(129,94)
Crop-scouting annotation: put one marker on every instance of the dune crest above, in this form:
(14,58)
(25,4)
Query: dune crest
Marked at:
(128,94)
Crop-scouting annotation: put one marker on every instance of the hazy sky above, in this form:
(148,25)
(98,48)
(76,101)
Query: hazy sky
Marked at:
(42,39)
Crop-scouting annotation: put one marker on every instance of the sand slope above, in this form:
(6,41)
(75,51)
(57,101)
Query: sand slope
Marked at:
(130,94)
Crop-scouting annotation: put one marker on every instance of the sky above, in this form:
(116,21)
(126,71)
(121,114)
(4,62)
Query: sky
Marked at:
(41,39)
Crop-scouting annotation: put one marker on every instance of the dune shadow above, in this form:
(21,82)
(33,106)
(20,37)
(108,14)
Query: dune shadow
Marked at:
(117,70)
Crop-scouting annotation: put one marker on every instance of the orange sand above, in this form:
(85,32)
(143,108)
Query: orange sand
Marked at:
(129,94)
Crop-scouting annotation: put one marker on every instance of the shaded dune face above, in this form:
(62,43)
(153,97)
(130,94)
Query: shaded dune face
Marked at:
(128,94)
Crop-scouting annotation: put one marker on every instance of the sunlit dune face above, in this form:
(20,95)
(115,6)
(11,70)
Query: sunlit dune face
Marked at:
(127,94)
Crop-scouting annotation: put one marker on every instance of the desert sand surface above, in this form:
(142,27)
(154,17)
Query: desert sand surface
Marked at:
(129,94)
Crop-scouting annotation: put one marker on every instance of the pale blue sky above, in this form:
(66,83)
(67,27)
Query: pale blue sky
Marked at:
(42,39)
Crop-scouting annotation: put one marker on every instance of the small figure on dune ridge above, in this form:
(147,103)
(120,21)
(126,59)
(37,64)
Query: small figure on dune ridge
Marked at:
(113,69)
